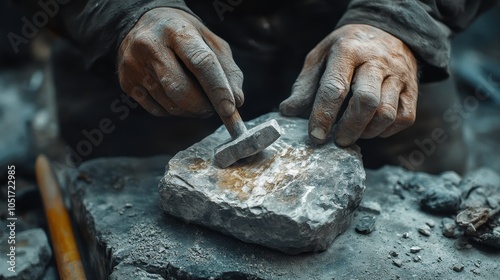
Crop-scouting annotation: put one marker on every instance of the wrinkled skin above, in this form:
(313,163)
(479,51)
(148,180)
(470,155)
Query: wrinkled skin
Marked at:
(378,68)
(171,64)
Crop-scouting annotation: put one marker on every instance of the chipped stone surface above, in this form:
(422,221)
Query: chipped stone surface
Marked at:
(292,197)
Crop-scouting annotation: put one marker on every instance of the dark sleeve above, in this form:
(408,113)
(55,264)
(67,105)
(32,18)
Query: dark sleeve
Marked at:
(426,26)
(97,27)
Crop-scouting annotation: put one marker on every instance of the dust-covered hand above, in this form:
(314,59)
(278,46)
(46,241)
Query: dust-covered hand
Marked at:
(171,64)
(379,70)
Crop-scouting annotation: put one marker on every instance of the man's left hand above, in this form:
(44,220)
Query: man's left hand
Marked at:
(377,67)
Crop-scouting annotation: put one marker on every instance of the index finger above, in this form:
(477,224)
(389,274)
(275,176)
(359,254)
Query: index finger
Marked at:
(333,88)
(204,64)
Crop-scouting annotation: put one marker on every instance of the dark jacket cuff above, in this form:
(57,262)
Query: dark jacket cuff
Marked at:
(98,27)
(412,24)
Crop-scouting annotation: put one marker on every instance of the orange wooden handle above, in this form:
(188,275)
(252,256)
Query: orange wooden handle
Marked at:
(68,259)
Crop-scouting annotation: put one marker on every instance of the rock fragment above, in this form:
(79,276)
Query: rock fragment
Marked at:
(438,194)
(415,249)
(463,243)
(480,188)
(365,225)
(472,218)
(493,202)
(458,268)
(440,199)
(370,207)
(397,263)
(293,197)
(424,230)
(431,224)
(450,228)
(32,255)
(490,238)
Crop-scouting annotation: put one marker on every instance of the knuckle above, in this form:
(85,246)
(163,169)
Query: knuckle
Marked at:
(333,89)
(406,120)
(172,87)
(176,29)
(223,44)
(236,74)
(325,118)
(143,40)
(202,58)
(368,98)
(412,88)
(386,114)
(127,61)
(173,33)
(312,57)
(345,44)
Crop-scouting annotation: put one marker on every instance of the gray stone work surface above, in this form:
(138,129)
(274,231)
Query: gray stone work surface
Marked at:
(115,202)
(292,197)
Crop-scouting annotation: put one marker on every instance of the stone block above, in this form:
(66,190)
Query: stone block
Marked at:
(294,197)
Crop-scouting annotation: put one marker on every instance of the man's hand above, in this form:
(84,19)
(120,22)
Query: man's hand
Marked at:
(377,67)
(170,63)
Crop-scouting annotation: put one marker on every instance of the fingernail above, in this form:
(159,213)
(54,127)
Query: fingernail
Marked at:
(343,141)
(226,108)
(318,133)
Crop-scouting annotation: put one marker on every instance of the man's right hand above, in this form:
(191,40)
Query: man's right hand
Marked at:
(171,64)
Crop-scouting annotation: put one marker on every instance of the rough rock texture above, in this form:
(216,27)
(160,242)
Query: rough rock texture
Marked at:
(366,225)
(33,253)
(116,206)
(481,188)
(480,206)
(292,197)
(438,194)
